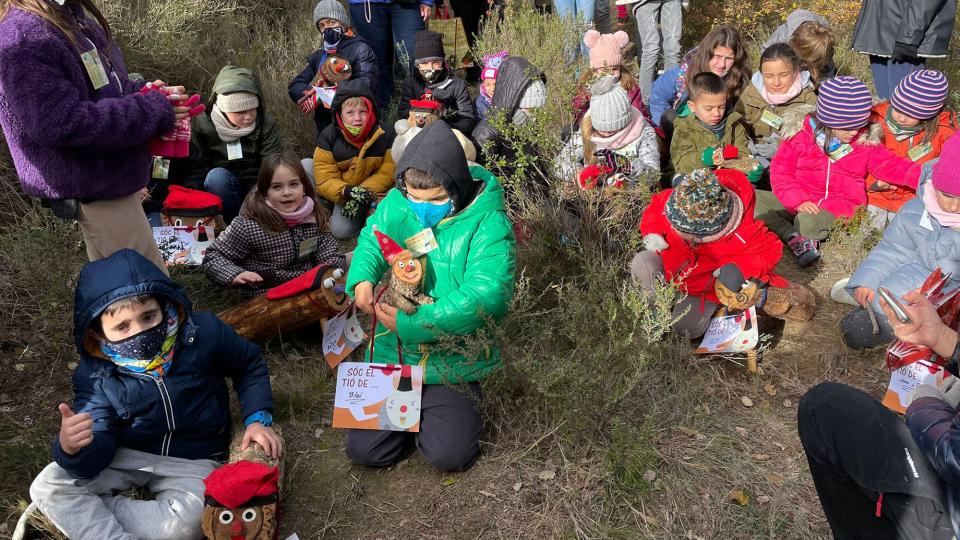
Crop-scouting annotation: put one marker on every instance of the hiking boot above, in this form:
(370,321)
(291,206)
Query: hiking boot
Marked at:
(795,302)
(806,250)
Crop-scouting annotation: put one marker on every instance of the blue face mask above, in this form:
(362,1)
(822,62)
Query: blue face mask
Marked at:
(145,345)
(332,37)
(430,214)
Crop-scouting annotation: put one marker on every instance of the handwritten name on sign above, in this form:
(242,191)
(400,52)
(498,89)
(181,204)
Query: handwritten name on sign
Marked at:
(378,396)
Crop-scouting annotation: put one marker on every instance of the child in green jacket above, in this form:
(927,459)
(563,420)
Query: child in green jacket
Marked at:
(711,133)
(469,276)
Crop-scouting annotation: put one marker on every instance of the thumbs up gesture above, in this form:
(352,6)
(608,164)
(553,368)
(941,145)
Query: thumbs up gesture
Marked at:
(76,430)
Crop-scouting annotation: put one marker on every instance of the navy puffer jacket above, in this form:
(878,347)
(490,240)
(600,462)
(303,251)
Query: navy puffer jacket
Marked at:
(184,414)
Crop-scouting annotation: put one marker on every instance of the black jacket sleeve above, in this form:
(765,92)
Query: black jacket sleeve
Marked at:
(301,82)
(935,426)
(465,117)
(407,92)
(241,360)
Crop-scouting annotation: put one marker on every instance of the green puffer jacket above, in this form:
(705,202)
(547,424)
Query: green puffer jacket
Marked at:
(470,275)
(263,141)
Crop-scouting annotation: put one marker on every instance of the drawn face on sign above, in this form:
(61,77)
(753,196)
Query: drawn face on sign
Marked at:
(352,331)
(403,409)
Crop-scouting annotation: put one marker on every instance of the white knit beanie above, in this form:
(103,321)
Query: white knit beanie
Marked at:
(609,105)
(237,101)
(534,97)
(331,9)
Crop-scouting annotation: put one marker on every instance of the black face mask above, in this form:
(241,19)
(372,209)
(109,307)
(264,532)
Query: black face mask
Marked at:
(145,345)
(332,36)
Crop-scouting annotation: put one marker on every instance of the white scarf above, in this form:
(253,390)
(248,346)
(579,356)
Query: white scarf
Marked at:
(226,130)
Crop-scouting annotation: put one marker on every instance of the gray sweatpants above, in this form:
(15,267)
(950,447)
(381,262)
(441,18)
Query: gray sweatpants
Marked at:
(90,509)
(449,438)
(646,269)
(341,227)
(656,17)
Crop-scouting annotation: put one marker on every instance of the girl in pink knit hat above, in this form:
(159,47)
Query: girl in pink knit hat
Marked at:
(606,58)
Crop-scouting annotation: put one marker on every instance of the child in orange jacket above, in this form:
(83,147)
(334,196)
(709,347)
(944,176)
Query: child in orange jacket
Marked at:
(915,126)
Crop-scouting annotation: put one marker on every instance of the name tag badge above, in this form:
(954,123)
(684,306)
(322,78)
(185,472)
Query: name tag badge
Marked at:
(771,119)
(161,168)
(840,153)
(925,221)
(307,247)
(234,151)
(422,243)
(918,152)
(95,70)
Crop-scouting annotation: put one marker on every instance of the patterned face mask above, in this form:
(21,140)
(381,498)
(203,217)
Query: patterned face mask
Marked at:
(143,346)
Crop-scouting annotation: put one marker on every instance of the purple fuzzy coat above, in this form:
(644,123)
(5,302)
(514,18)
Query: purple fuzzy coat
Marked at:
(67,139)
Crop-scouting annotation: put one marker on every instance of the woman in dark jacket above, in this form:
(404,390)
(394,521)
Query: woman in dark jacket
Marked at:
(878,476)
(332,20)
(899,34)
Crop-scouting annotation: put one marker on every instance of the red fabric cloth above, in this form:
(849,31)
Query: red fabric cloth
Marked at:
(751,246)
(238,482)
(307,281)
(181,201)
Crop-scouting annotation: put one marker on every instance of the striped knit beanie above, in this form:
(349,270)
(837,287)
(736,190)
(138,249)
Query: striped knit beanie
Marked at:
(699,205)
(921,94)
(844,103)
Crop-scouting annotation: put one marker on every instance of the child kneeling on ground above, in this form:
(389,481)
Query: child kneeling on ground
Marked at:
(352,165)
(150,407)
(924,236)
(470,276)
(279,234)
(819,170)
(702,232)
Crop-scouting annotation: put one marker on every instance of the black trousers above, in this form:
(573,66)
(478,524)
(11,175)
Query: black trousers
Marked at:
(449,439)
(864,462)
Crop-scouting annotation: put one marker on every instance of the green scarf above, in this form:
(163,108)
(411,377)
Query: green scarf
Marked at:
(899,132)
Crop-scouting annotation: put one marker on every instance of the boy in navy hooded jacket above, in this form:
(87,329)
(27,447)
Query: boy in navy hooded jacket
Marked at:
(151,408)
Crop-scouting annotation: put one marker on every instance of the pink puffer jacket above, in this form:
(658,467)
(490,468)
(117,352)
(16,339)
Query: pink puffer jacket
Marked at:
(801,171)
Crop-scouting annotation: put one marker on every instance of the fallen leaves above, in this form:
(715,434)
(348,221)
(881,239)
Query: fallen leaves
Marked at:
(742,431)
(747,402)
(548,474)
(650,476)
(450,481)
(775,479)
(770,389)
(738,497)
(518,486)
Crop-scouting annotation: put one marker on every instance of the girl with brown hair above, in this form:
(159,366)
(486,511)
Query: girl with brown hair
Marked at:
(281,232)
(721,52)
(77,127)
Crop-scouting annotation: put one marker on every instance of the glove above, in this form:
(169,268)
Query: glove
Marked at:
(707,156)
(361,195)
(904,53)
(358,200)
(350,209)
(591,175)
(308,103)
(755,175)
(615,162)
(655,243)
(924,391)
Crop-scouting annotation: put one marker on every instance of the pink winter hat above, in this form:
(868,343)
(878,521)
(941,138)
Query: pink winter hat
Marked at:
(491,65)
(605,49)
(946,171)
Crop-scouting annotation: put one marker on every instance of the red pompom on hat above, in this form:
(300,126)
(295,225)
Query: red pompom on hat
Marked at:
(388,246)
(236,483)
(731,152)
(183,201)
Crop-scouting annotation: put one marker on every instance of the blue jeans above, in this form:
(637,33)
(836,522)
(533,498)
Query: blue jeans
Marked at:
(887,74)
(232,191)
(656,17)
(389,24)
(582,10)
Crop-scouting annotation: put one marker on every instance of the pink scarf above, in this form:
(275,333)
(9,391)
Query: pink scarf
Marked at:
(944,218)
(630,133)
(302,215)
(780,99)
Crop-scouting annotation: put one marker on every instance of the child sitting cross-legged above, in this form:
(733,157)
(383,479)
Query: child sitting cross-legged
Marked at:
(470,277)
(151,407)
(702,233)
(818,172)
(279,234)
(352,164)
(710,135)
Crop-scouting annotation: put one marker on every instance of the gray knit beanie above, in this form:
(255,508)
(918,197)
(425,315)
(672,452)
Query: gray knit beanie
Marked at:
(534,97)
(331,9)
(610,108)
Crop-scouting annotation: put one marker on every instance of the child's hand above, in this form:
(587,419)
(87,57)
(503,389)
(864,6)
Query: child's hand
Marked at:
(808,208)
(880,185)
(863,296)
(925,327)
(144,195)
(363,296)
(265,437)
(76,430)
(387,316)
(246,278)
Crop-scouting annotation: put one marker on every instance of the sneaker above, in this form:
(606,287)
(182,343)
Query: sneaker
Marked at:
(805,249)
(838,293)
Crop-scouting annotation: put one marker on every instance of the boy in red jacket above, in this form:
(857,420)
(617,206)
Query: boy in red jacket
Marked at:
(702,236)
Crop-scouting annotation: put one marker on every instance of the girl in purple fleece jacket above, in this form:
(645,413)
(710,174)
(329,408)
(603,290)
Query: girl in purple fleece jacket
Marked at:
(77,127)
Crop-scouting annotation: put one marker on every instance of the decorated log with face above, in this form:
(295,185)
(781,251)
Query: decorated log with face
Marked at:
(185,207)
(406,276)
(334,70)
(241,502)
(424,112)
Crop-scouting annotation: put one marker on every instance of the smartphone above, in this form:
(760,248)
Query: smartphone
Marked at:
(894,304)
